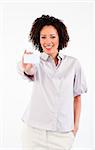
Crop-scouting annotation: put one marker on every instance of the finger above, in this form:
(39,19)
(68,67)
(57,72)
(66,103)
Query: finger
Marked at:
(28,52)
(23,58)
(25,52)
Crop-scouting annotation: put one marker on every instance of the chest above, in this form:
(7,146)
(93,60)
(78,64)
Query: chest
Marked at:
(57,71)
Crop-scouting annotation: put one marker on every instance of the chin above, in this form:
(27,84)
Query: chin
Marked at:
(48,52)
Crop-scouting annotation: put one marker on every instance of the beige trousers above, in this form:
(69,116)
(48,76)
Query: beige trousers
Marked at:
(37,139)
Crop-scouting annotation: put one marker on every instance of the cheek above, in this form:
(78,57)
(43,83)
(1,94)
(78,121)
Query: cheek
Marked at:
(56,42)
(41,42)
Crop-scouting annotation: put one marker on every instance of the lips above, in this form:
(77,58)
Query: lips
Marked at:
(48,47)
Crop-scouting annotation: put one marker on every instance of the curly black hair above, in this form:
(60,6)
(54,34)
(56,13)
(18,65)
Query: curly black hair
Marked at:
(44,20)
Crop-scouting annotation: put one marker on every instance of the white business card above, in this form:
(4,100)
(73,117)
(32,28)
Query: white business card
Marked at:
(31,58)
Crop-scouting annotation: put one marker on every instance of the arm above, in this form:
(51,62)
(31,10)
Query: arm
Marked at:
(77,111)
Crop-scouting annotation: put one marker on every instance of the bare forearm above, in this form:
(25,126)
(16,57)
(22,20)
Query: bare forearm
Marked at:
(77,111)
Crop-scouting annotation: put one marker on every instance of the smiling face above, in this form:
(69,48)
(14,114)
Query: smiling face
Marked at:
(49,40)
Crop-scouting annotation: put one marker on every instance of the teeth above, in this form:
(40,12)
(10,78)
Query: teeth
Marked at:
(48,47)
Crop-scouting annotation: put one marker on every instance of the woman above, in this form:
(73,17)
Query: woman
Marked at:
(52,116)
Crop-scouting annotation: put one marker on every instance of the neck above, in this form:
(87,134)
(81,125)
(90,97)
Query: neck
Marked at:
(54,57)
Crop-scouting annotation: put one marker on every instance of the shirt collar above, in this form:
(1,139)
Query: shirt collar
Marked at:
(45,56)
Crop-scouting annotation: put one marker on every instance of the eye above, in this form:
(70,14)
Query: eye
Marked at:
(43,37)
(53,37)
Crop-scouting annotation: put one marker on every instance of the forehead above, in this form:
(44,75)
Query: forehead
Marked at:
(48,29)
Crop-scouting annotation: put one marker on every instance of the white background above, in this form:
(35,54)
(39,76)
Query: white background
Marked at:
(15,23)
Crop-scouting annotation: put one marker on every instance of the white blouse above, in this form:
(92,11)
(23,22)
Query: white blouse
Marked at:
(54,89)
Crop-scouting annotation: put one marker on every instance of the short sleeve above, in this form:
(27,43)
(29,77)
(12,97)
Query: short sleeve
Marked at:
(79,85)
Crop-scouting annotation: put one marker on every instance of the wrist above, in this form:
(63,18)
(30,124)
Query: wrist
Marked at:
(76,126)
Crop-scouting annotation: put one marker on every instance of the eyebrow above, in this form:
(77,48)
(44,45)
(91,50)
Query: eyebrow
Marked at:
(45,34)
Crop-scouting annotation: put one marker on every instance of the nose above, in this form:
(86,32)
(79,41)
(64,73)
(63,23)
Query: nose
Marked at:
(48,41)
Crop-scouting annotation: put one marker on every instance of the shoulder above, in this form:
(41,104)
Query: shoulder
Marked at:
(70,59)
